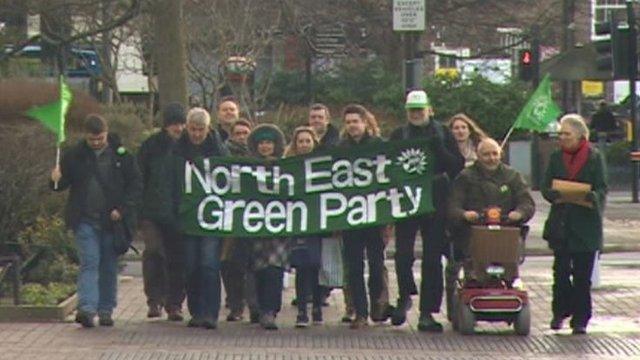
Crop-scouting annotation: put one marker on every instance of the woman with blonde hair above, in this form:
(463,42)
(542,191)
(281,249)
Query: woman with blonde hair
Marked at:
(305,251)
(468,135)
(304,141)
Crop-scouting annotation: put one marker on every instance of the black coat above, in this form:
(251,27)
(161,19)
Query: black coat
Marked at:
(330,139)
(124,184)
(154,159)
(449,161)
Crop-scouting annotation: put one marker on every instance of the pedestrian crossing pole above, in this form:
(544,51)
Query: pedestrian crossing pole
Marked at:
(633,76)
(535,81)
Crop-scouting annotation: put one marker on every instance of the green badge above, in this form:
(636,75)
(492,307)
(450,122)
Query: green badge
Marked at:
(504,188)
(121,150)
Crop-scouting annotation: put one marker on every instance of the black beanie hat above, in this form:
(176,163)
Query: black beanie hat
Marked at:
(174,113)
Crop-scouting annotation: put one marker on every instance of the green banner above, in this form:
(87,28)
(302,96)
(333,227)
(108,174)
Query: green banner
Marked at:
(344,188)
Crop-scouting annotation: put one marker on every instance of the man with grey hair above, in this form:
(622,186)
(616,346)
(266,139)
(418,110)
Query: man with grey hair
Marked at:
(448,163)
(202,253)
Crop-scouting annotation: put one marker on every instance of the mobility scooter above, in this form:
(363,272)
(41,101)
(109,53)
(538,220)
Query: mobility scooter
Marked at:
(490,289)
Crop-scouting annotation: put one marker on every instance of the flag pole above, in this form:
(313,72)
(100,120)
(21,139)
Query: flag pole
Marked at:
(61,124)
(55,184)
(506,137)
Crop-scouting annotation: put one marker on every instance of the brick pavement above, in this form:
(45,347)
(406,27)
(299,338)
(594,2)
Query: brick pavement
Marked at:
(614,331)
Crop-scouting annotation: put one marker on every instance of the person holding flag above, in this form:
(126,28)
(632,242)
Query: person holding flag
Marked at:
(105,188)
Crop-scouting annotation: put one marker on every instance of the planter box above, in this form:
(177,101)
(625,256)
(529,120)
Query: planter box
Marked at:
(38,313)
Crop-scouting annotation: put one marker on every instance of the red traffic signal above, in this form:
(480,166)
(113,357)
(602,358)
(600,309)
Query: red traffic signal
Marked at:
(525,57)
(526,65)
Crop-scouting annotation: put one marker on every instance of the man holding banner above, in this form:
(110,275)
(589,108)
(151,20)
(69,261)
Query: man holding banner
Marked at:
(448,163)
(202,252)
(360,128)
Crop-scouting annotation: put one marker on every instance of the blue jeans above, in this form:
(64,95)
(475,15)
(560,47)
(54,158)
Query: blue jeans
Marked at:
(98,277)
(202,255)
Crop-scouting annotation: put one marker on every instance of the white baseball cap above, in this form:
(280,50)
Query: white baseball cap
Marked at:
(417,99)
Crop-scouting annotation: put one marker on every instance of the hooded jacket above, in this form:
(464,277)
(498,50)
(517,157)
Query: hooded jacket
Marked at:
(270,131)
(269,251)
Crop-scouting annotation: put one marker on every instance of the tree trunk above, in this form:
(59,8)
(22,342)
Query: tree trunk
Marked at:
(169,51)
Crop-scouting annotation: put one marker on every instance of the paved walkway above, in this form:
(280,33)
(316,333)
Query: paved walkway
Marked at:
(614,332)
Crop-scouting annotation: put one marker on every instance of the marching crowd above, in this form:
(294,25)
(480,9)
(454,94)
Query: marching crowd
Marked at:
(111,188)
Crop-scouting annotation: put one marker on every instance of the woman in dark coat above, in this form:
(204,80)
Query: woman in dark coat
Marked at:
(574,232)
(268,255)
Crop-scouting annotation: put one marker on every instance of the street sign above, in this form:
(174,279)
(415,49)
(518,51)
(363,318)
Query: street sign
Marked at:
(409,15)
(330,39)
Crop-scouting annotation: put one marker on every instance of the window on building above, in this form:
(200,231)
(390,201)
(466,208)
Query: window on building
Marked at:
(606,10)
(445,61)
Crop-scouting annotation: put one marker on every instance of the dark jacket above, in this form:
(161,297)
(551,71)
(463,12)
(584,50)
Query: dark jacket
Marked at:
(237,149)
(222,133)
(583,226)
(124,184)
(154,159)
(348,142)
(213,145)
(330,139)
(476,190)
(603,120)
(449,161)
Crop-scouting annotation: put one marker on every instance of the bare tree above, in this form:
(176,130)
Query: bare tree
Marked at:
(169,50)
(219,30)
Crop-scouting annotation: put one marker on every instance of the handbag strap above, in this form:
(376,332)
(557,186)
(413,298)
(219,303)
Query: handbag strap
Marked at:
(106,189)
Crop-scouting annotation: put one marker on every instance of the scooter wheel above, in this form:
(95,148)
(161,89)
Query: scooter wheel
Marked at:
(522,325)
(454,311)
(466,320)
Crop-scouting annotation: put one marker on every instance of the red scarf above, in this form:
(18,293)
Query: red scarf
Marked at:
(575,159)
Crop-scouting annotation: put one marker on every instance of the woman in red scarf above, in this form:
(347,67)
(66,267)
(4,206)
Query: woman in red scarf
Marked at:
(574,230)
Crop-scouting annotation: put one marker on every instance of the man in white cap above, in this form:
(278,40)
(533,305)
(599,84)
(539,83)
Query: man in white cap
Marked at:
(449,162)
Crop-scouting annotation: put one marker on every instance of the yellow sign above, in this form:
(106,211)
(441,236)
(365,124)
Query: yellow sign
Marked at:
(451,73)
(592,88)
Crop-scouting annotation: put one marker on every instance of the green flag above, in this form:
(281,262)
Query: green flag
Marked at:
(540,110)
(52,115)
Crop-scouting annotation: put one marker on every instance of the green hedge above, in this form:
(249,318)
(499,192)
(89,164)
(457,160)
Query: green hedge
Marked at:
(494,106)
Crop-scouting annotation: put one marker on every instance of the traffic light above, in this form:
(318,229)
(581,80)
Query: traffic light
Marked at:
(604,47)
(612,52)
(526,66)
(621,51)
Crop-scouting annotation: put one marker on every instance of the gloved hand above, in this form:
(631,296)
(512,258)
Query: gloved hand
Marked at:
(591,196)
(553,195)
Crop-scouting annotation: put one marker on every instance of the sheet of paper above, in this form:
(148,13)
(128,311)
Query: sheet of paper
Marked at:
(572,192)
